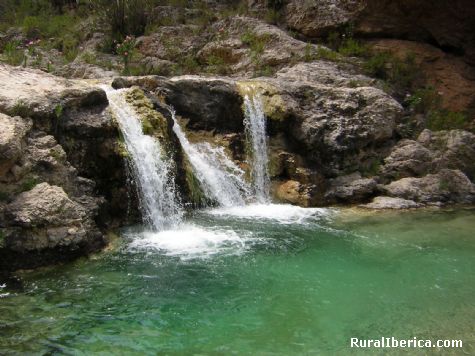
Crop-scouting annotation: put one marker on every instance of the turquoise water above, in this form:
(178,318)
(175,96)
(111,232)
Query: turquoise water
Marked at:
(231,284)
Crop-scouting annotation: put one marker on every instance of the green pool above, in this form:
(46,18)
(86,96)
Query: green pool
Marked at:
(262,280)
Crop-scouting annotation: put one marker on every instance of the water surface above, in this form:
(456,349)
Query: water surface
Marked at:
(261,280)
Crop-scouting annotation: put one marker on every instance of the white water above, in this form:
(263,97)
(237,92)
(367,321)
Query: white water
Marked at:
(220,178)
(280,213)
(255,125)
(152,170)
(191,241)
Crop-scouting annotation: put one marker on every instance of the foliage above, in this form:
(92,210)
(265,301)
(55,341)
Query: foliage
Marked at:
(20,109)
(126,49)
(351,47)
(423,100)
(29,184)
(124,17)
(446,120)
(216,64)
(13,53)
(4,196)
(402,74)
(325,53)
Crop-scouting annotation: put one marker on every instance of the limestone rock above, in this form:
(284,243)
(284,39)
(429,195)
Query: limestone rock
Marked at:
(12,132)
(447,186)
(294,192)
(447,23)
(45,205)
(350,189)
(391,203)
(408,159)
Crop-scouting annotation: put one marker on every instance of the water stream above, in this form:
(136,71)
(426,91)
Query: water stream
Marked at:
(220,178)
(151,169)
(255,126)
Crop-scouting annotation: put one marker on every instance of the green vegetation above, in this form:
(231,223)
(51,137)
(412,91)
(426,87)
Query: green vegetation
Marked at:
(428,102)
(29,184)
(257,45)
(13,53)
(20,109)
(4,196)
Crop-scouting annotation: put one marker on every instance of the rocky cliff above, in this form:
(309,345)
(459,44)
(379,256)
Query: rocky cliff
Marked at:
(381,118)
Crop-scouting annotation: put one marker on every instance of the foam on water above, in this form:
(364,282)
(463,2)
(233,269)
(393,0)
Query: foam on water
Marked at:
(282,213)
(190,241)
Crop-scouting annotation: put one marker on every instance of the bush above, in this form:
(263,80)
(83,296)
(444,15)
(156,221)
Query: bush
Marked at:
(13,53)
(446,120)
(351,47)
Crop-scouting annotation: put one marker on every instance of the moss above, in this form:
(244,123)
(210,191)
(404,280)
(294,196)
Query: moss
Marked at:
(273,104)
(153,122)
(4,196)
(29,184)
(196,195)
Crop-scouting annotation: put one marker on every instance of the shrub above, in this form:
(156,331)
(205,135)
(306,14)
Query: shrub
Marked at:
(126,50)
(446,120)
(424,100)
(351,47)
(325,53)
(13,53)
(29,184)
(20,109)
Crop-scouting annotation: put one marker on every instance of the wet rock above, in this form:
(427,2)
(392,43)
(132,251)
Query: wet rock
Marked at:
(294,192)
(391,203)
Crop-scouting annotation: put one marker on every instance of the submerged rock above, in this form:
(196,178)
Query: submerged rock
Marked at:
(391,203)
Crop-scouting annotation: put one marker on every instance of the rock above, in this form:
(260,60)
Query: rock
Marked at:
(318,18)
(247,45)
(31,93)
(448,24)
(452,149)
(340,127)
(294,192)
(451,77)
(12,132)
(447,186)
(45,225)
(212,104)
(45,205)
(407,159)
(391,203)
(350,189)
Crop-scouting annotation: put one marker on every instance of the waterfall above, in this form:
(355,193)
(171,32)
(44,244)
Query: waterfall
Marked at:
(151,169)
(255,126)
(220,178)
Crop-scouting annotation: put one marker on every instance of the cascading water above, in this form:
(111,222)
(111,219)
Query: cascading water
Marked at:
(220,178)
(152,170)
(255,126)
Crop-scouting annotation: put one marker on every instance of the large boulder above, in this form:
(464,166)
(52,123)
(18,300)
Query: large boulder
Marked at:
(431,152)
(45,225)
(446,23)
(350,189)
(447,186)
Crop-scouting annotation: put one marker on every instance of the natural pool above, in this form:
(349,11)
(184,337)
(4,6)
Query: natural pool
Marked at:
(262,280)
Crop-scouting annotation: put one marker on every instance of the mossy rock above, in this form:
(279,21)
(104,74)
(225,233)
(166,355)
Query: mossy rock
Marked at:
(273,104)
(153,122)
